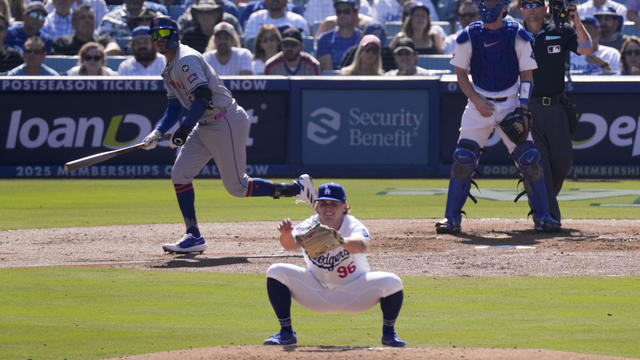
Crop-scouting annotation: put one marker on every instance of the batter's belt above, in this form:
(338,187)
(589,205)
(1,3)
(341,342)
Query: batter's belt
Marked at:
(217,116)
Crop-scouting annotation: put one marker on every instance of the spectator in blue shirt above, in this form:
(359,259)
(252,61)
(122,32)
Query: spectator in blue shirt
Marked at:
(33,52)
(34,17)
(333,44)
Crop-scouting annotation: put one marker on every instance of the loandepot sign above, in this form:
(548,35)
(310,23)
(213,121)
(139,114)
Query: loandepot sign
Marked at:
(509,194)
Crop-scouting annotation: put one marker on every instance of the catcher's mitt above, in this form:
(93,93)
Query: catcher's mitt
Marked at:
(515,126)
(318,239)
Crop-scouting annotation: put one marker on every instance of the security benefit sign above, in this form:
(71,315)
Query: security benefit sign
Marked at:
(365,127)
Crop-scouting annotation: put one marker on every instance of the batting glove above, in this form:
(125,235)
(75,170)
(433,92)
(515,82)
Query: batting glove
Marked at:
(151,141)
(180,136)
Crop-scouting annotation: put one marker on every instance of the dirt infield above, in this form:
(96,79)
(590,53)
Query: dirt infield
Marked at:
(488,247)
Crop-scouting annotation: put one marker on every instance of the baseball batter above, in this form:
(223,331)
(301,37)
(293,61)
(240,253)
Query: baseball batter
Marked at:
(215,126)
(336,281)
(497,53)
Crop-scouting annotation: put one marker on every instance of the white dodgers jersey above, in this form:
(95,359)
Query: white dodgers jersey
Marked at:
(338,266)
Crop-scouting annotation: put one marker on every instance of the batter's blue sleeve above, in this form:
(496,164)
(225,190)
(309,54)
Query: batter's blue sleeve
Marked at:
(171,115)
(195,111)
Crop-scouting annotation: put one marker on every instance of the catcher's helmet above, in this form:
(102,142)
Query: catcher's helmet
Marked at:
(490,15)
(165,22)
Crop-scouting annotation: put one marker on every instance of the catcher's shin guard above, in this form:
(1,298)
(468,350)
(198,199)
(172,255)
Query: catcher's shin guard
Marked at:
(527,159)
(465,160)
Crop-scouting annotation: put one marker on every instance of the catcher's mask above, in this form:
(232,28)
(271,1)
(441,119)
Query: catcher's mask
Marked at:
(164,26)
(491,14)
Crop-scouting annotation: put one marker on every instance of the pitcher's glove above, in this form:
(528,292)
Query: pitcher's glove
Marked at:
(319,239)
(516,125)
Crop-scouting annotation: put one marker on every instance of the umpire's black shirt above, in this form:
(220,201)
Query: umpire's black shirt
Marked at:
(551,48)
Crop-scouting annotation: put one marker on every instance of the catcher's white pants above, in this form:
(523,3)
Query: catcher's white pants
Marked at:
(474,126)
(357,296)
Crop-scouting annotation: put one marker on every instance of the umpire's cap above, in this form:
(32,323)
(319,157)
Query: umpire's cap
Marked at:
(332,191)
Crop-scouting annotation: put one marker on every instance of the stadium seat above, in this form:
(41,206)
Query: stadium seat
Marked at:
(62,63)
(392,27)
(114,61)
(124,42)
(630,28)
(444,25)
(309,45)
(248,43)
(435,62)
(175,11)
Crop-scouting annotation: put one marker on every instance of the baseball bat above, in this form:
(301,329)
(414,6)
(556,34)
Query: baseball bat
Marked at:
(104,156)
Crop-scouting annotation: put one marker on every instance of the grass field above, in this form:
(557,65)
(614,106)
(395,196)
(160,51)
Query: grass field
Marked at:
(92,313)
(64,203)
(79,313)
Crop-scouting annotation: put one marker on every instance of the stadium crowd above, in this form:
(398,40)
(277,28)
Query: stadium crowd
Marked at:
(280,37)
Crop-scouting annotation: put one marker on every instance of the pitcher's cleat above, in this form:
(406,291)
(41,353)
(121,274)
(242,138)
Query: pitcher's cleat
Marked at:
(188,244)
(282,338)
(307,192)
(392,340)
(445,226)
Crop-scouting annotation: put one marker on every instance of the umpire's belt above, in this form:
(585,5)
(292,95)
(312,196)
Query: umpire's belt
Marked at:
(546,100)
(500,99)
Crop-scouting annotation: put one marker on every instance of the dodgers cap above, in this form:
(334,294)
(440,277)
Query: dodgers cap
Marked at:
(332,191)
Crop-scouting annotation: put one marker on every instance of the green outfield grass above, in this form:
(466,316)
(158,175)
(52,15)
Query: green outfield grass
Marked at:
(92,313)
(63,203)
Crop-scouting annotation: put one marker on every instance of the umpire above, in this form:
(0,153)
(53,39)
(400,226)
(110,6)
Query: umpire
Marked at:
(554,122)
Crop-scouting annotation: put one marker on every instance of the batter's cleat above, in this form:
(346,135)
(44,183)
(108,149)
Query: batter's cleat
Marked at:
(392,340)
(546,224)
(188,244)
(307,192)
(446,226)
(282,338)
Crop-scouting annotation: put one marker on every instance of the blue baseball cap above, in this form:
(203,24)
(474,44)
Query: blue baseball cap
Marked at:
(376,29)
(140,31)
(332,191)
(348,2)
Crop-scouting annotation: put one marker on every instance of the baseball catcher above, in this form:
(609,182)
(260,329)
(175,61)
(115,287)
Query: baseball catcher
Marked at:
(516,125)
(318,239)
(337,277)
(497,53)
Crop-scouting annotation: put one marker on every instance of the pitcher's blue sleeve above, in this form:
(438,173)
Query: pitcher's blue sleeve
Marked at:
(171,115)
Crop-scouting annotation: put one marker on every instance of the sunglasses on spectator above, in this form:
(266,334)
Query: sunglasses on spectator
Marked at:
(371,50)
(160,33)
(403,53)
(38,16)
(92,57)
(632,52)
(269,38)
(532,5)
(33,51)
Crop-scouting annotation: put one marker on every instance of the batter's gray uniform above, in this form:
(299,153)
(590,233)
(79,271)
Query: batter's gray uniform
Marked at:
(221,133)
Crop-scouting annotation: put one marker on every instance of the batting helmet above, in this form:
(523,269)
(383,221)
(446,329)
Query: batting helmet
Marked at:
(165,22)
